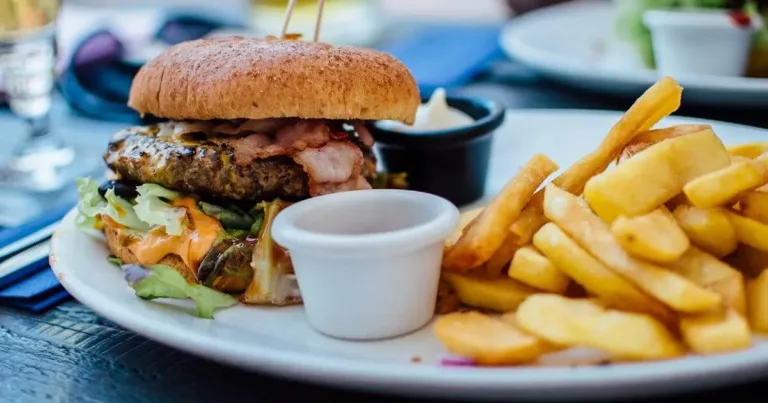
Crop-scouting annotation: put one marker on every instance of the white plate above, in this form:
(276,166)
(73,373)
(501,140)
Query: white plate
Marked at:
(281,342)
(574,43)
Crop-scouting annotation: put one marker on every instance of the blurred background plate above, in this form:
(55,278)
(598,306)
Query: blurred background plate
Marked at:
(576,44)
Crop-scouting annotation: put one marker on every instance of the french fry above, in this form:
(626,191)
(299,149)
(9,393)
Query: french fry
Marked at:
(649,179)
(657,102)
(651,137)
(465,219)
(754,205)
(713,274)
(748,260)
(737,158)
(757,294)
(749,150)
(654,236)
(576,220)
(501,258)
(490,228)
(530,220)
(487,340)
(447,300)
(500,295)
(716,332)
(597,279)
(734,292)
(679,200)
(570,322)
(511,318)
(709,229)
(575,290)
(720,187)
(749,231)
(531,267)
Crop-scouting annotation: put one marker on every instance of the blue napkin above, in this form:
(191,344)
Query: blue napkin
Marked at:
(35,293)
(98,78)
(38,284)
(33,286)
(8,280)
(42,303)
(12,234)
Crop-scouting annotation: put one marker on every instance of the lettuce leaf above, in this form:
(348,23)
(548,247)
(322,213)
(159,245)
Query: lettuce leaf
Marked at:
(153,210)
(390,180)
(631,28)
(122,212)
(161,281)
(230,217)
(90,204)
(703,3)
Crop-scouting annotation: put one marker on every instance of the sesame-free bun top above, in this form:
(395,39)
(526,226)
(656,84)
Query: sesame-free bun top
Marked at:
(236,77)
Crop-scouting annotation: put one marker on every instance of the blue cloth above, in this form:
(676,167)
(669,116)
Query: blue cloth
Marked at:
(12,234)
(41,303)
(33,287)
(9,279)
(447,56)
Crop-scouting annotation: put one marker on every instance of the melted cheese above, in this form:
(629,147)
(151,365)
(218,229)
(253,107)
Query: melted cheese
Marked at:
(191,246)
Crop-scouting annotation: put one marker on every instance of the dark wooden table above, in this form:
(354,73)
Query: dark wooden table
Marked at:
(71,355)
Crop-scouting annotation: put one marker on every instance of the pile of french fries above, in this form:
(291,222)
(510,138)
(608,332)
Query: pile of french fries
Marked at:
(662,255)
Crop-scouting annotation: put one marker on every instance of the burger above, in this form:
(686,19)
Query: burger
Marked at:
(242,128)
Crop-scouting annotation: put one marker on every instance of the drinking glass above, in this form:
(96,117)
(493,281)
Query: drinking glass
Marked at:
(44,162)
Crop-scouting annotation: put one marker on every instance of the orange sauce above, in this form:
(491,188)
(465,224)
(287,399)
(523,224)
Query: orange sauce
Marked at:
(191,246)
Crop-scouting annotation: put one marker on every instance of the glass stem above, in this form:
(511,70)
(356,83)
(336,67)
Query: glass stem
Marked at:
(39,127)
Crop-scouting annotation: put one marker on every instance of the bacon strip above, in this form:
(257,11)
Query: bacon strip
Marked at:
(288,140)
(364,134)
(247,148)
(332,168)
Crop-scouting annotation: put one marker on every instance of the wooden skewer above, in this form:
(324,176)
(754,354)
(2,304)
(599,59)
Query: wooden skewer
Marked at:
(319,19)
(287,18)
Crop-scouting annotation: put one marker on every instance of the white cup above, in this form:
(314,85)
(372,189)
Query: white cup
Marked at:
(700,42)
(367,261)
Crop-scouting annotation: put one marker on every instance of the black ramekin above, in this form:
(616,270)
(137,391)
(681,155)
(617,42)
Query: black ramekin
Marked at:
(449,163)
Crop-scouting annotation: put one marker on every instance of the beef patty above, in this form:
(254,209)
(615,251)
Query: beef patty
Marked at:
(197,165)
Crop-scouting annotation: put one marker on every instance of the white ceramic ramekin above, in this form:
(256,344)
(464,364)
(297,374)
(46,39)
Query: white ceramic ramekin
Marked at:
(367,261)
(701,42)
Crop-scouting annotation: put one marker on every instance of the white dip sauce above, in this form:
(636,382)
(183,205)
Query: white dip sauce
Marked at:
(433,115)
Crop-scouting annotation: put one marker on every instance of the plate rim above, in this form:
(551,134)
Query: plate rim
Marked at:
(552,63)
(421,379)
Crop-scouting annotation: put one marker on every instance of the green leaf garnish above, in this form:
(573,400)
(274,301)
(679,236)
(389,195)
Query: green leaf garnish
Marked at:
(161,281)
